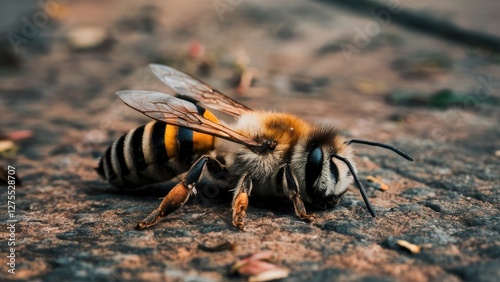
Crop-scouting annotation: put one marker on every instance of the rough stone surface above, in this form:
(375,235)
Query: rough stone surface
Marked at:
(74,227)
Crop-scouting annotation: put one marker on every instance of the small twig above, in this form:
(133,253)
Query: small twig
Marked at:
(426,24)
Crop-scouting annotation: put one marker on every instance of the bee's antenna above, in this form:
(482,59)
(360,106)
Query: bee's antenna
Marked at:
(356,179)
(392,148)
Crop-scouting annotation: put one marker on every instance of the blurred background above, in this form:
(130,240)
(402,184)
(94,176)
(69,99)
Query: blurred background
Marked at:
(61,62)
(424,75)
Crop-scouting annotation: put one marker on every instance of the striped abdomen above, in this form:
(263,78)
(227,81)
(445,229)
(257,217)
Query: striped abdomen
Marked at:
(153,153)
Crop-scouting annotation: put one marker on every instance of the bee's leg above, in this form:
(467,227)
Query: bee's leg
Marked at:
(179,195)
(291,188)
(240,201)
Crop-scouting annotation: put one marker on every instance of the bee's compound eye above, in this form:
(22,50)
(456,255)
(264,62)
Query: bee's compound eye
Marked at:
(334,171)
(313,166)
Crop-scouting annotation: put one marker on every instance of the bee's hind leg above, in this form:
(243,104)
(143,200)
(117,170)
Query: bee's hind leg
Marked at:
(291,188)
(179,195)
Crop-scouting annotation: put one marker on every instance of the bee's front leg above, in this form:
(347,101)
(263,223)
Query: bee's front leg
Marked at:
(179,195)
(291,188)
(240,201)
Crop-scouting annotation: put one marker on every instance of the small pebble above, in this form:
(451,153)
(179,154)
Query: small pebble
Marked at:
(86,37)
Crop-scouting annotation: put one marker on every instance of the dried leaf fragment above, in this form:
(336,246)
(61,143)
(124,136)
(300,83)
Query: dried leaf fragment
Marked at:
(273,274)
(255,267)
(409,246)
(259,270)
(264,255)
(379,183)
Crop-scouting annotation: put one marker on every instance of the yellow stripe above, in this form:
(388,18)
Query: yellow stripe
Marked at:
(171,140)
(208,115)
(202,142)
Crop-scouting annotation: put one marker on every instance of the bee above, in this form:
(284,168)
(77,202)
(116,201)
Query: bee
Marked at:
(261,153)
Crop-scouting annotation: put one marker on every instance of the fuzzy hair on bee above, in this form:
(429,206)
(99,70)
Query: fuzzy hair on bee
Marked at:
(264,153)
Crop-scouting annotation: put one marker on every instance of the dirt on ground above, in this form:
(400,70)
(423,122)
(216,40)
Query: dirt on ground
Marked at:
(373,79)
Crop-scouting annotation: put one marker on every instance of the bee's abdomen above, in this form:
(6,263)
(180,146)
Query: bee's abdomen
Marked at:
(152,153)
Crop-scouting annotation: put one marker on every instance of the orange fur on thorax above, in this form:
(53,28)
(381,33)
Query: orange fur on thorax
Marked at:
(284,128)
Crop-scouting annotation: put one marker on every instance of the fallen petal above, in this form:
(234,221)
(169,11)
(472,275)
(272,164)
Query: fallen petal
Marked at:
(264,255)
(255,267)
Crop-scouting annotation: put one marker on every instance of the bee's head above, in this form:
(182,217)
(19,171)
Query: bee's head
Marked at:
(328,163)
(326,178)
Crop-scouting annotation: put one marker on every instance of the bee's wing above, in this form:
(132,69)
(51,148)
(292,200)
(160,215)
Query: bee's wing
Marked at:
(175,111)
(187,85)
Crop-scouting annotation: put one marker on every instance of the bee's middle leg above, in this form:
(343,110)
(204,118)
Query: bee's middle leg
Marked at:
(179,195)
(291,188)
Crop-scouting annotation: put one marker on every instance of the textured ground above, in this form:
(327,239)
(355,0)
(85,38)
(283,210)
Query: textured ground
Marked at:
(74,227)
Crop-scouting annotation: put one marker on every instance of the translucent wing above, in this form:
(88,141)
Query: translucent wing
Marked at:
(193,88)
(175,111)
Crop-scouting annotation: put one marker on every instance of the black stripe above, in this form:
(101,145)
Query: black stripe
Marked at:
(112,173)
(120,147)
(201,110)
(185,138)
(137,153)
(100,168)
(186,98)
(158,143)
